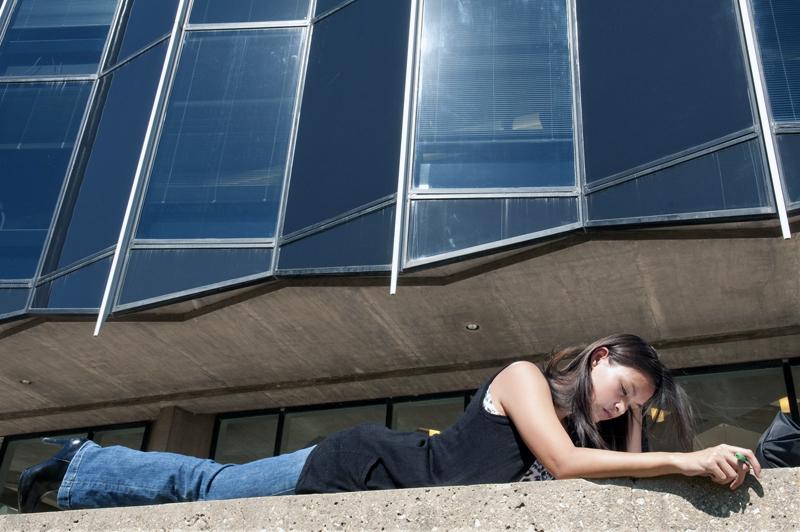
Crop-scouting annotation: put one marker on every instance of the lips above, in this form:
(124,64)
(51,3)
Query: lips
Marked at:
(609,414)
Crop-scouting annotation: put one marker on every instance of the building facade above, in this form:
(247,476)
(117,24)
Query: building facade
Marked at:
(230,228)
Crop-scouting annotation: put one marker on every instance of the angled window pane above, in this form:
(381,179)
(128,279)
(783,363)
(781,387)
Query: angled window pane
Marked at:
(732,178)
(655,81)
(364,241)
(214,11)
(495,97)
(145,22)
(778,29)
(304,429)
(789,149)
(91,216)
(63,37)
(221,159)
(158,272)
(732,407)
(38,126)
(13,299)
(437,414)
(442,226)
(348,143)
(81,289)
(326,5)
(245,439)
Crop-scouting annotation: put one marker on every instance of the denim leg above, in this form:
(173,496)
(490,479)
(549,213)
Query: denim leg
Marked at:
(100,477)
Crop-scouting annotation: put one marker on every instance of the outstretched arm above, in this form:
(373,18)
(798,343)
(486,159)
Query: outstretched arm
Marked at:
(524,395)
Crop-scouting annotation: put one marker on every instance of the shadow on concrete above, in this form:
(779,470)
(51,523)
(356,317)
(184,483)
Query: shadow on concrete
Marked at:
(705,495)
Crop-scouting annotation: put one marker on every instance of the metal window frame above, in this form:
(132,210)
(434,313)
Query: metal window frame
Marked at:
(329,12)
(339,219)
(407,139)
(413,194)
(66,181)
(145,159)
(191,292)
(271,24)
(758,83)
(5,24)
(75,266)
(673,159)
(143,50)
(495,244)
(203,243)
(786,128)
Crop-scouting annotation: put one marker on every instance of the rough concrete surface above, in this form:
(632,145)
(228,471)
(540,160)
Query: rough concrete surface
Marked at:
(668,503)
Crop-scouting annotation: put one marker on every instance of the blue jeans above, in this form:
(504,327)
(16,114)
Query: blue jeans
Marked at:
(100,477)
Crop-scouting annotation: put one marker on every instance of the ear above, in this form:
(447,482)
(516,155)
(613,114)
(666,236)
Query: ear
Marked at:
(599,354)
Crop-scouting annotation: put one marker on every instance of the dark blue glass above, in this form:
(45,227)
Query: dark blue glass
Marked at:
(348,143)
(221,159)
(81,289)
(47,37)
(38,126)
(732,178)
(13,300)
(326,5)
(495,96)
(91,216)
(658,78)
(145,22)
(789,150)
(443,226)
(217,11)
(778,29)
(158,272)
(365,241)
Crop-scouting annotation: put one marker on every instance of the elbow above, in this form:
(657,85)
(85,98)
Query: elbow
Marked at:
(559,469)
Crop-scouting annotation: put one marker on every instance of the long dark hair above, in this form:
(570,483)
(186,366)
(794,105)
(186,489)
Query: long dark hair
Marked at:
(568,374)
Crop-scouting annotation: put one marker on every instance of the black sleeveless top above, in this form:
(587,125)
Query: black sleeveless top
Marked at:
(480,448)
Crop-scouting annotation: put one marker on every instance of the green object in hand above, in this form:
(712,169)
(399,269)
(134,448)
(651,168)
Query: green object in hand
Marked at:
(742,458)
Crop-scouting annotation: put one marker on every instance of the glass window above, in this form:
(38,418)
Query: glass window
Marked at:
(778,29)
(157,272)
(38,126)
(91,216)
(348,142)
(789,150)
(212,11)
(47,38)
(732,407)
(437,414)
(363,241)
(132,438)
(221,159)
(145,22)
(442,226)
(19,455)
(327,5)
(13,300)
(304,429)
(655,81)
(81,289)
(796,379)
(244,439)
(732,178)
(495,97)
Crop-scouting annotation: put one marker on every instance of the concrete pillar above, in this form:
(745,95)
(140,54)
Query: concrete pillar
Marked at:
(179,431)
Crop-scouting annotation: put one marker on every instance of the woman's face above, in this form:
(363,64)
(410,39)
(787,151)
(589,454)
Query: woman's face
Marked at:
(616,388)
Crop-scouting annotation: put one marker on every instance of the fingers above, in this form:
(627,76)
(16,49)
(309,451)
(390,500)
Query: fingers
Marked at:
(751,458)
(742,469)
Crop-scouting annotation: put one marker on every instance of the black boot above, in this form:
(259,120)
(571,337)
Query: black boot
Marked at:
(46,476)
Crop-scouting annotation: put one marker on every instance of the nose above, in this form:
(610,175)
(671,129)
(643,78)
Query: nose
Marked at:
(620,407)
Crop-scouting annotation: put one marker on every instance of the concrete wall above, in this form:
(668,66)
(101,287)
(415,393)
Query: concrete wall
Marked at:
(668,503)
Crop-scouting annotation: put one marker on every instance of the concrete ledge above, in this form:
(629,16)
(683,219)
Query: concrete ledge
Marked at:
(668,503)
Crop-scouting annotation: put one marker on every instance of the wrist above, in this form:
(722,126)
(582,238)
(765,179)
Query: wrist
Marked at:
(677,463)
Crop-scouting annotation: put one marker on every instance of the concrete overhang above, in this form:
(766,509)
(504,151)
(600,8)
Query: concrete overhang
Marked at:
(703,295)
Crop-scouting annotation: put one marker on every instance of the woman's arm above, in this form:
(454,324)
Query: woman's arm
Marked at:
(524,396)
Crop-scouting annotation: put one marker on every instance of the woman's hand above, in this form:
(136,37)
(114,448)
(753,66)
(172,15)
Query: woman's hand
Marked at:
(719,463)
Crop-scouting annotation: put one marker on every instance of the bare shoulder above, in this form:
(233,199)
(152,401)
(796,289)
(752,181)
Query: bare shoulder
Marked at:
(521,379)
